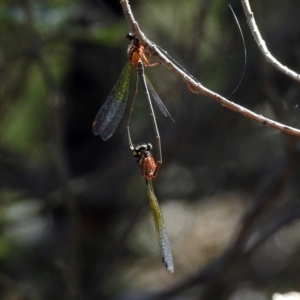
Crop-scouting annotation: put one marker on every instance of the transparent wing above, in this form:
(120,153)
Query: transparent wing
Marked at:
(157,100)
(160,229)
(111,112)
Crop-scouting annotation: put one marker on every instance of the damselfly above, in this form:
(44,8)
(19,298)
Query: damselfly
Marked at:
(149,169)
(112,110)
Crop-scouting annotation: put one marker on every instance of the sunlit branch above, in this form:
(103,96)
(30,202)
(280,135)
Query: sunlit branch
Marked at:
(262,44)
(194,85)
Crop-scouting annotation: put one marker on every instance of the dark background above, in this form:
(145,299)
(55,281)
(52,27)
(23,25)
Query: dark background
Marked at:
(75,222)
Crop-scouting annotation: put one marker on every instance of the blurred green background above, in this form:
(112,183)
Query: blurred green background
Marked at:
(74,217)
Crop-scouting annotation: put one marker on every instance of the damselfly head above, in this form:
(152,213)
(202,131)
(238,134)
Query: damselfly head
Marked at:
(130,36)
(139,149)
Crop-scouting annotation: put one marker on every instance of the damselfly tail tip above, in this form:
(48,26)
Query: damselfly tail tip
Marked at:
(168,262)
(169,266)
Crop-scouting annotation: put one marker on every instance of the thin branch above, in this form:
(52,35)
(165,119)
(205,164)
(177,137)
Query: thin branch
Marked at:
(194,85)
(262,44)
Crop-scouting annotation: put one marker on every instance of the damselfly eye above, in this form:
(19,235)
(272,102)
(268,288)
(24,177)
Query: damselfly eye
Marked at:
(130,36)
(142,147)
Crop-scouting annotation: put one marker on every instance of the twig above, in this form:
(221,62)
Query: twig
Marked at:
(262,44)
(194,85)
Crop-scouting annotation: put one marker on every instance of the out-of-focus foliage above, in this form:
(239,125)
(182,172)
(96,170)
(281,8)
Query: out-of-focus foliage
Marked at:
(75,222)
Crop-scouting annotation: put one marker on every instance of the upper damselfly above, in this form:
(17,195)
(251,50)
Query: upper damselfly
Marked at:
(112,110)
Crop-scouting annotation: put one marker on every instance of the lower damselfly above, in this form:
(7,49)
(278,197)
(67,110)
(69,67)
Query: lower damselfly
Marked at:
(149,169)
(111,112)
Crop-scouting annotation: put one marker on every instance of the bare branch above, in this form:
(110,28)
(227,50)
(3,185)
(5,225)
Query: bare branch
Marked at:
(262,44)
(194,85)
